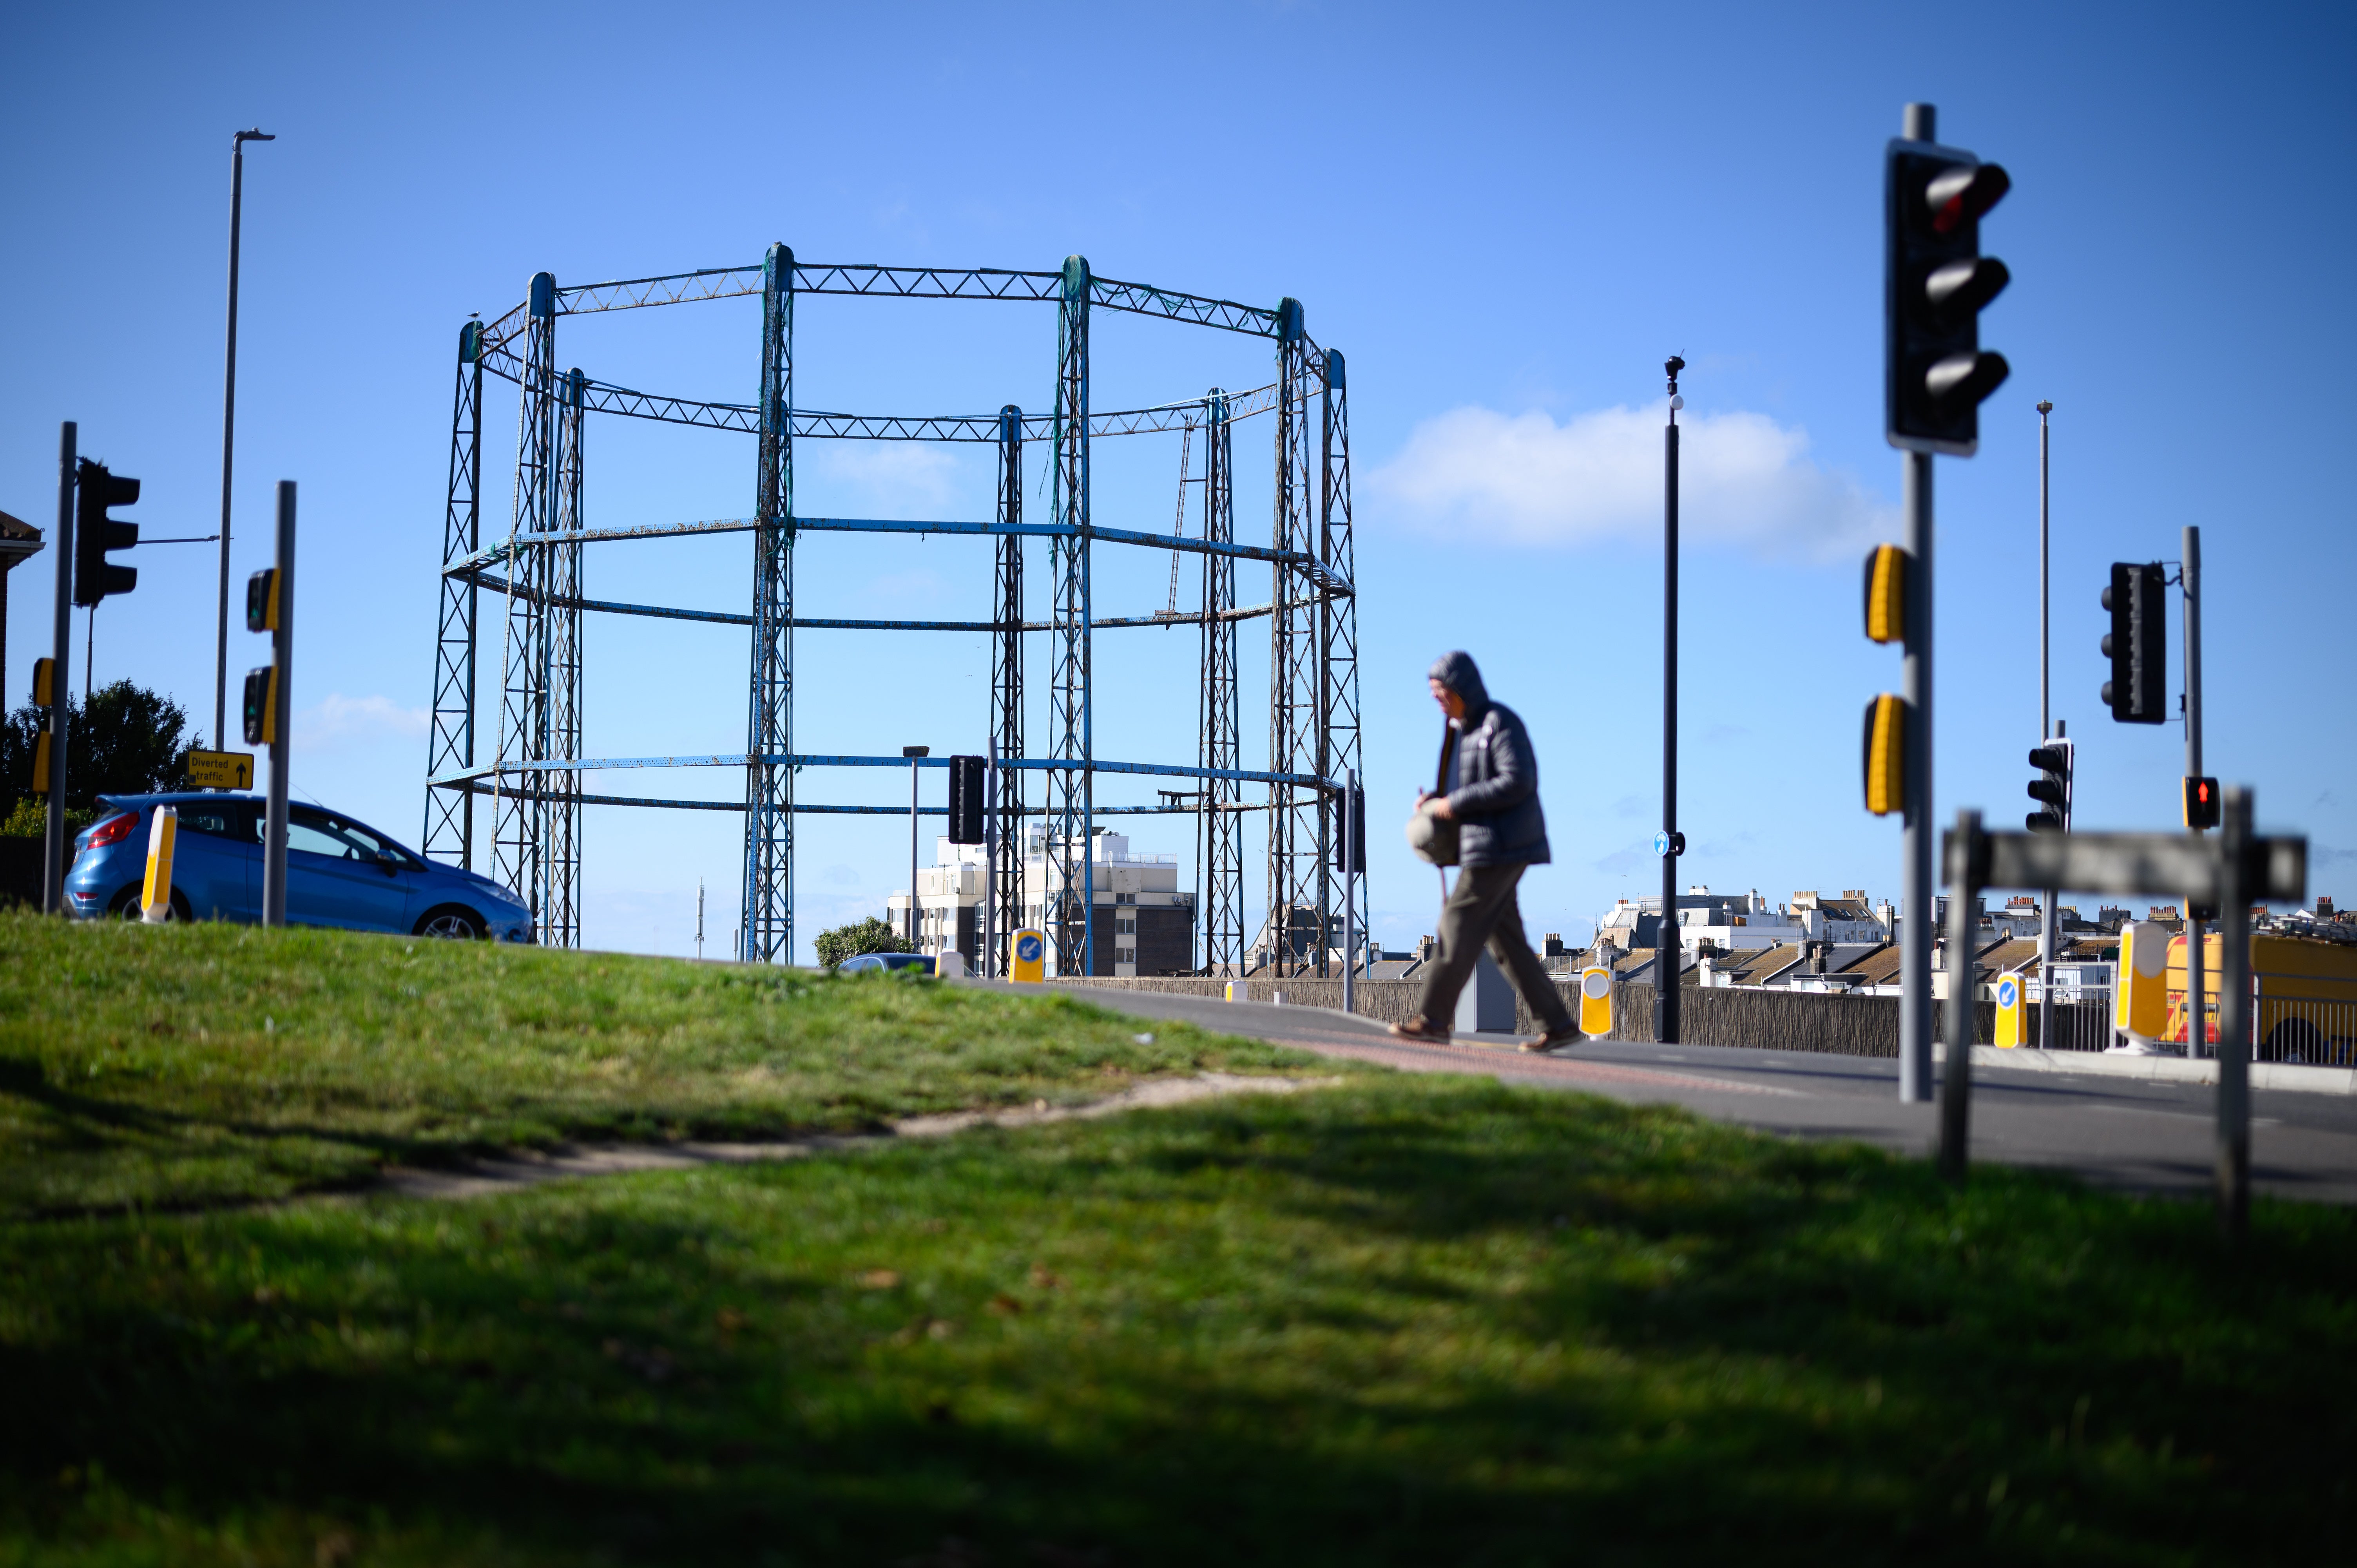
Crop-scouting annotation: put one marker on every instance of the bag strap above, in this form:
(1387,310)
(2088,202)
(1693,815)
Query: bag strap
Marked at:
(1447,743)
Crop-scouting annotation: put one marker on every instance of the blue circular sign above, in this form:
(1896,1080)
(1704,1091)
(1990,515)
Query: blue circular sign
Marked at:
(1662,842)
(1028,948)
(2009,991)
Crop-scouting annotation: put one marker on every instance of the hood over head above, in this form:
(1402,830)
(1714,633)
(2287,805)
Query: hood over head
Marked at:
(1456,670)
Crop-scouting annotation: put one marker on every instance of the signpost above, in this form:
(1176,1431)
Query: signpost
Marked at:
(2227,872)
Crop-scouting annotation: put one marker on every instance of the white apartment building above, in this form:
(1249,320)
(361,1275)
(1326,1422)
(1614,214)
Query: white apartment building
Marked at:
(1144,922)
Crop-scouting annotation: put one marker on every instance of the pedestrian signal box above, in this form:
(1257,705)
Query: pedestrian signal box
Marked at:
(262,600)
(2137,644)
(2201,804)
(262,706)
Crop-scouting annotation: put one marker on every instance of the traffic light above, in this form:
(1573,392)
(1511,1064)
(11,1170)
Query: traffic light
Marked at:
(966,778)
(2201,804)
(1886,595)
(1935,282)
(262,600)
(95,534)
(2137,644)
(1333,808)
(1885,755)
(262,706)
(2051,789)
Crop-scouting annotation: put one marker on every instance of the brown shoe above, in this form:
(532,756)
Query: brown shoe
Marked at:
(1564,1034)
(1418,1028)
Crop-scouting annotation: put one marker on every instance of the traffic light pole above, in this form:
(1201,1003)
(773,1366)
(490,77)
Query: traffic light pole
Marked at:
(2046,898)
(282,655)
(229,429)
(2197,991)
(1917,918)
(53,853)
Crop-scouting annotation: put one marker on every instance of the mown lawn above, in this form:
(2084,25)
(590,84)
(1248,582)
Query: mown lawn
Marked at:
(180,1066)
(1399,1321)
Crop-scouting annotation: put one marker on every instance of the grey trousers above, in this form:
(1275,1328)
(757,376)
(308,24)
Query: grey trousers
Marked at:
(1481,910)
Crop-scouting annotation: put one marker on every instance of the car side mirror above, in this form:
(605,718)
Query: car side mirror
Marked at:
(389,861)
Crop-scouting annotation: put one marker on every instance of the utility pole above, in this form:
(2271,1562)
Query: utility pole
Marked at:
(2048,900)
(2196,992)
(1671,843)
(281,702)
(53,853)
(228,430)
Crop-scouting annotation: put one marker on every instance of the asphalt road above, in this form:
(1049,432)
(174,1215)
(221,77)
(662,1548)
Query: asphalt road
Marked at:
(2121,1132)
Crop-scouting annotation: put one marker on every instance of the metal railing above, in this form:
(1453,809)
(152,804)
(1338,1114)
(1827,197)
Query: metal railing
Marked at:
(2080,1018)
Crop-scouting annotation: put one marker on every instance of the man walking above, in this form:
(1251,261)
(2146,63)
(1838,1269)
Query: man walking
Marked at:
(1490,789)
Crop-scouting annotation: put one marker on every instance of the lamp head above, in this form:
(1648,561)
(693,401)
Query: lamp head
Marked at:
(1672,365)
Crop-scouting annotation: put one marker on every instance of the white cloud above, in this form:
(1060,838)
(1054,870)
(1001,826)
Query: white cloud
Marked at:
(1744,480)
(339,720)
(889,476)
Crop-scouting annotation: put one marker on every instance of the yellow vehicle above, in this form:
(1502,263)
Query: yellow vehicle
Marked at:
(2307,996)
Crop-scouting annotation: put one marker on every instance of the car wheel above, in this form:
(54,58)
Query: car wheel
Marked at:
(452,923)
(126,905)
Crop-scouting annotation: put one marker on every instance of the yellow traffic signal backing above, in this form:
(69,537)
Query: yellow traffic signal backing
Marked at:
(262,706)
(262,601)
(1886,595)
(44,682)
(41,760)
(1885,755)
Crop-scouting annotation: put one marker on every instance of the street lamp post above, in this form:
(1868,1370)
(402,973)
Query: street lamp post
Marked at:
(228,431)
(1672,842)
(913,753)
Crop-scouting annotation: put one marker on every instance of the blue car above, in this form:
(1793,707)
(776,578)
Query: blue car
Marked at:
(888,963)
(340,872)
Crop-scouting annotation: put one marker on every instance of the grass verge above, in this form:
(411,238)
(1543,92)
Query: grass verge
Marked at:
(180,1066)
(1398,1321)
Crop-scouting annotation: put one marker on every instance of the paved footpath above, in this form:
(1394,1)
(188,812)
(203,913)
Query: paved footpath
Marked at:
(2113,1129)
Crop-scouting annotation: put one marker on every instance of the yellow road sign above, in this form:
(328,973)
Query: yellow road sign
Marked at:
(1031,965)
(222,769)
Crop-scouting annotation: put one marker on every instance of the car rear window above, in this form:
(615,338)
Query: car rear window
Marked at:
(228,820)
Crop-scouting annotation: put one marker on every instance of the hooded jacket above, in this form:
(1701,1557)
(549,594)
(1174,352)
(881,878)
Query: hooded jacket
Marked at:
(1494,790)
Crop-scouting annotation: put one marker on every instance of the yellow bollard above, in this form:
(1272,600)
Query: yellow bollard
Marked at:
(2009,992)
(1596,1002)
(155,901)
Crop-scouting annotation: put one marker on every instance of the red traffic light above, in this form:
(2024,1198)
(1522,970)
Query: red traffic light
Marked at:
(1958,196)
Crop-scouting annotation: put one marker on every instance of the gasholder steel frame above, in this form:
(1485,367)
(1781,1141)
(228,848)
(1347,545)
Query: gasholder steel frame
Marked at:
(535,777)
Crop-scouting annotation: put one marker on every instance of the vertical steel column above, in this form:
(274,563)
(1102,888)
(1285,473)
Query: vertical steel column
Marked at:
(561,621)
(1070,788)
(449,831)
(767,935)
(1218,830)
(1006,893)
(2197,983)
(1337,548)
(1297,815)
(520,829)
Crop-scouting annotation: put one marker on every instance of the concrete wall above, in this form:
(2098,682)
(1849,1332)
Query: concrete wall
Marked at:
(1766,1019)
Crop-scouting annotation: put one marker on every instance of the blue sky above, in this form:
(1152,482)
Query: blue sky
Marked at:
(1505,217)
